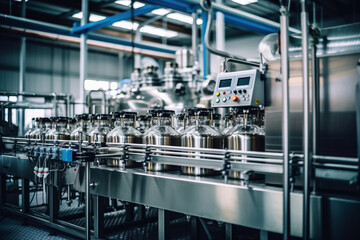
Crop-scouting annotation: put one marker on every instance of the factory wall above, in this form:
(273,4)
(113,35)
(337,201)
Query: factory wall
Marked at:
(54,67)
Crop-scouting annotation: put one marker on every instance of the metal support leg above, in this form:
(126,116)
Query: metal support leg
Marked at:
(284,31)
(306,130)
(53,203)
(358,122)
(2,189)
(142,212)
(163,224)
(194,228)
(87,200)
(129,211)
(228,231)
(99,203)
(263,235)
(25,196)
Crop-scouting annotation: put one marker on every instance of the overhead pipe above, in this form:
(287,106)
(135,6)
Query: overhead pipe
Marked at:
(232,16)
(22,71)
(29,24)
(284,39)
(206,5)
(194,37)
(88,27)
(306,107)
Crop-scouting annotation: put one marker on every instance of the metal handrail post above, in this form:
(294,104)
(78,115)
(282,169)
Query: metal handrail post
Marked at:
(305,63)
(284,38)
(83,76)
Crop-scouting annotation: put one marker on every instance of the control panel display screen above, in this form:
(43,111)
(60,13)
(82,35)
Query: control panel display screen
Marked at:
(243,81)
(225,83)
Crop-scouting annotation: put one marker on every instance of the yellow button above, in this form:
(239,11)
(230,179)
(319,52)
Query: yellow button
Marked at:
(217,94)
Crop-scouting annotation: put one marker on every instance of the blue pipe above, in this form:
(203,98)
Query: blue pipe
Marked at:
(66,31)
(110,20)
(245,23)
(181,6)
(249,25)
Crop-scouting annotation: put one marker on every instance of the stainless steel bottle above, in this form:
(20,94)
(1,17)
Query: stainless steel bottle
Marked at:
(180,123)
(61,131)
(41,129)
(82,127)
(124,132)
(33,127)
(229,122)
(217,121)
(71,125)
(245,136)
(49,132)
(161,133)
(101,129)
(143,123)
(201,135)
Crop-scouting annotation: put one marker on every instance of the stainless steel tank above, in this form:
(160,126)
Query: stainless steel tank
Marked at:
(124,132)
(101,129)
(161,133)
(201,135)
(82,127)
(150,77)
(245,136)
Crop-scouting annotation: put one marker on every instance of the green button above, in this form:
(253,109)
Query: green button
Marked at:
(217,100)
(224,99)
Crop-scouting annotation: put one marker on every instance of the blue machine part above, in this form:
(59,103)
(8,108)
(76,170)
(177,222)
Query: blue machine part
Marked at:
(67,155)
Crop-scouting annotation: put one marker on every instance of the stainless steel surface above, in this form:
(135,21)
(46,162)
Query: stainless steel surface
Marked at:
(338,77)
(238,89)
(306,107)
(157,97)
(338,40)
(284,38)
(315,97)
(207,198)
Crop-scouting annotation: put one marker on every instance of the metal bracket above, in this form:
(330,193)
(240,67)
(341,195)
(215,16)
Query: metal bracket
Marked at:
(226,166)
(147,157)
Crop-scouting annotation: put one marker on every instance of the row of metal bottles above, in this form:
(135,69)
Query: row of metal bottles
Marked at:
(195,128)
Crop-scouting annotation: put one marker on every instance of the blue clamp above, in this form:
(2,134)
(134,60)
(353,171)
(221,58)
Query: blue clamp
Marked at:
(67,155)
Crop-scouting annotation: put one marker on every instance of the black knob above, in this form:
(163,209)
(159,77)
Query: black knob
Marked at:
(240,91)
(244,91)
(235,92)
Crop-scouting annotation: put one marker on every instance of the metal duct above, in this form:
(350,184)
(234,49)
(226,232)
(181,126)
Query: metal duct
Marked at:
(334,40)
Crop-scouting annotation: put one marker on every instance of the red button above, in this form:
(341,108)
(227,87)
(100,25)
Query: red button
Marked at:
(235,98)
(224,92)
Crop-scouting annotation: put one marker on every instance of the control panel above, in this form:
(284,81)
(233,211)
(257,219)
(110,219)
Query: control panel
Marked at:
(238,89)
